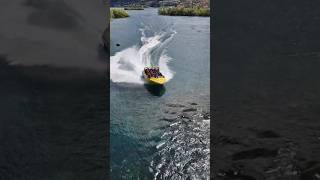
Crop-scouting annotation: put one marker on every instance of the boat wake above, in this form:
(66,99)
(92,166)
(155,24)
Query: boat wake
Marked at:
(184,149)
(127,65)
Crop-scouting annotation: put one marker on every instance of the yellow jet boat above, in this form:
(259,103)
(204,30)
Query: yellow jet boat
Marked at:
(153,76)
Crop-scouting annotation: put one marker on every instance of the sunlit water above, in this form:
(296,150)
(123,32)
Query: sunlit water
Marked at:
(160,133)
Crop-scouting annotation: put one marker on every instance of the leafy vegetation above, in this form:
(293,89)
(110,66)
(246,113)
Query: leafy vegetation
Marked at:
(184,11)
(118,13)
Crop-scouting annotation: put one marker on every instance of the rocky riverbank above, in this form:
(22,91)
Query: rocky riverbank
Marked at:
(184,11)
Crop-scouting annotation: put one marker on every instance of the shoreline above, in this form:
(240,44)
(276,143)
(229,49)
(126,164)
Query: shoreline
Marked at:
(166,11)
(118,13)
(184,11)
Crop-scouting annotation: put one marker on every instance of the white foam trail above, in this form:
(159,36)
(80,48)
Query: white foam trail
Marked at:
(184,150)
(127,65)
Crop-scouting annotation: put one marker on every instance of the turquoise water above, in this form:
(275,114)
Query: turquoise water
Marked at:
(150,126)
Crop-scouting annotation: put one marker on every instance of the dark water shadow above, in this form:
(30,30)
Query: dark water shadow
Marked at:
(103,53)
(53,14)
(53,114)
(155,90)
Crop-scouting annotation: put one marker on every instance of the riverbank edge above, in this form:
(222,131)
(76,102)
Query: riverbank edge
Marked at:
(184,11)
(117,13)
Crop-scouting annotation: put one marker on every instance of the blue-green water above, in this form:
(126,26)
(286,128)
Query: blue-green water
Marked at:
(159,133)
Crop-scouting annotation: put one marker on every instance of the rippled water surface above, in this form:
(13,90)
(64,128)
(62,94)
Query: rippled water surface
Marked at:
(160,132)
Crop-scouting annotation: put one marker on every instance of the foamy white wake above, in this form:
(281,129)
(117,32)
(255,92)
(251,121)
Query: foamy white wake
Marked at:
(127,65)
(184,149)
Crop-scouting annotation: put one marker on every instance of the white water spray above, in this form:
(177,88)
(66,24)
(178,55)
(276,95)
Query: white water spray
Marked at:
(127,65)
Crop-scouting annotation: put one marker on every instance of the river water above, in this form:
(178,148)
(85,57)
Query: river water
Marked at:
(160,133)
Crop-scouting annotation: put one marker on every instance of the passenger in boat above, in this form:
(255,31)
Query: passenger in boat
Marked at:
(147,72)
(159,73)
(153,72)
